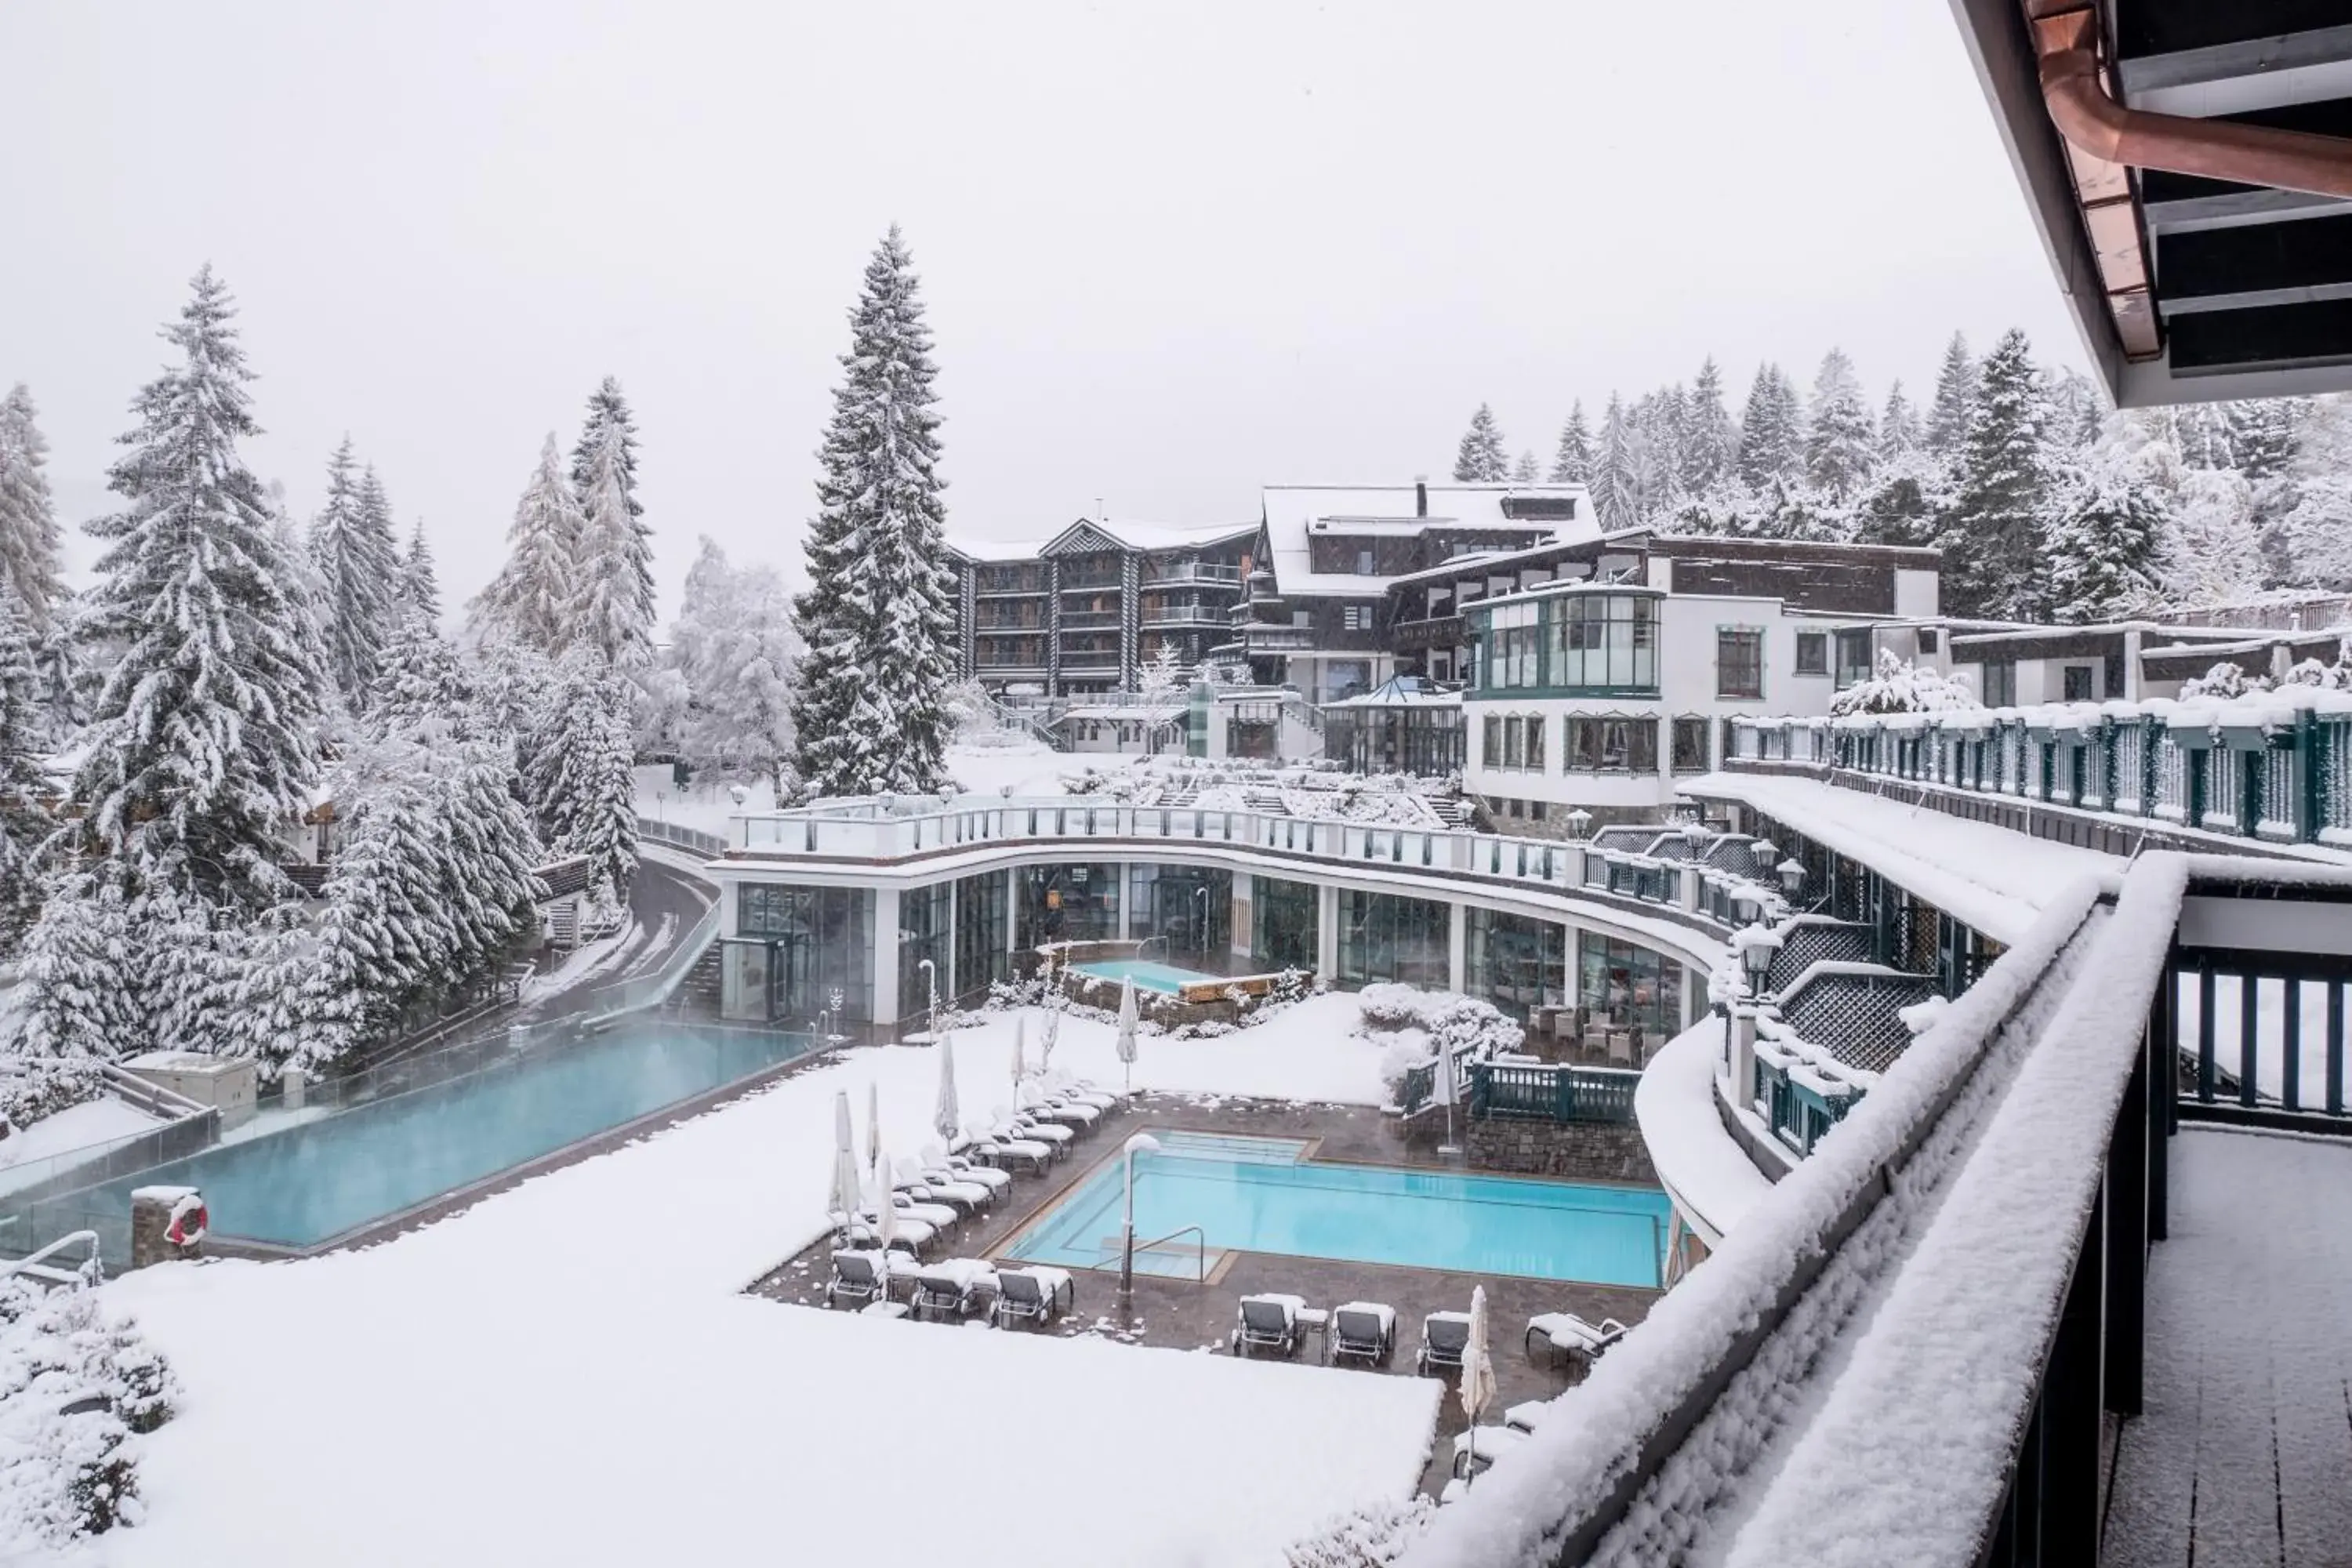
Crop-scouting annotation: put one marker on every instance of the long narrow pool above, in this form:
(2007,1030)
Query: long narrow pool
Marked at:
(1263,1195)
(316,1180)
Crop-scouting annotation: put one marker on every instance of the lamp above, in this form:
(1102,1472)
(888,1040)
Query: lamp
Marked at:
(1693,833)
(1756,959)
(1578,821)
(1792,877)
(1763,849)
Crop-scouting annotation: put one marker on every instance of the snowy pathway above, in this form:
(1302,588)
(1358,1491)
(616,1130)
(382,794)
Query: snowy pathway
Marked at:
(568,1372)
(2243,1456)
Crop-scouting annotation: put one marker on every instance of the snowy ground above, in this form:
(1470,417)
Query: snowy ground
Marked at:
(569,1371)
(99,1121)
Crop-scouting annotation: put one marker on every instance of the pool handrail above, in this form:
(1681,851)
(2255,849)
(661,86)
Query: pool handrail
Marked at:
(1200,1253)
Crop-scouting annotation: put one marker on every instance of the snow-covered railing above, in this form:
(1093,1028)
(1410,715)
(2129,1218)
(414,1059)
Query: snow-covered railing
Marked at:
(644,990)
(688,838)
(2273,766)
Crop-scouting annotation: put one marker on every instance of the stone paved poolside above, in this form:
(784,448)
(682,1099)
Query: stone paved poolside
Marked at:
(1181,1314)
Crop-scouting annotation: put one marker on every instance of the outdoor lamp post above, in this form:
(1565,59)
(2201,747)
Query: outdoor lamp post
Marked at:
(1578,821)
(1793,878)
(1764,849)
(932,979)
(1756,960)
(1140,1143)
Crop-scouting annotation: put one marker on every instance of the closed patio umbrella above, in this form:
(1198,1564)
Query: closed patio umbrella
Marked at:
(1127,1032)
(886,1217)
(946,1116)
(873,1123)
(1020,1050)
(842,1200)
(1477,1371)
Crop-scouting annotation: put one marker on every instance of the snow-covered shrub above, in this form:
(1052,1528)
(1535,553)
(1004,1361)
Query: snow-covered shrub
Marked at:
(1369,1536)
(2224,681)
(43,1087)
(2335,677)
(1899,686)
(76,1383)
(1453,1022)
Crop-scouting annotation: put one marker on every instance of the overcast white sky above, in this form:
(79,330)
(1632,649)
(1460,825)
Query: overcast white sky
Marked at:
(1172,252)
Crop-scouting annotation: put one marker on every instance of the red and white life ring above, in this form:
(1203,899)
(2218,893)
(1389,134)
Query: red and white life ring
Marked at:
(189,1220)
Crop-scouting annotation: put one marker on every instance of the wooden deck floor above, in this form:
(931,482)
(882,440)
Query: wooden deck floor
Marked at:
(2243,1456)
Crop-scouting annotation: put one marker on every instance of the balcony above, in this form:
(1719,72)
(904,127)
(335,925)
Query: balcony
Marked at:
(1193,615)
(1194,572)
(1260,638)
(1009,629)
(1078,663)
(1090,620)
(1434,631)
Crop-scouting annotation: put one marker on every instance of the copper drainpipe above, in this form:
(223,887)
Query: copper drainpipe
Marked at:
(2067,38)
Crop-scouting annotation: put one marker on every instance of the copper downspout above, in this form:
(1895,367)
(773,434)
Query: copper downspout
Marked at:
(2066,42)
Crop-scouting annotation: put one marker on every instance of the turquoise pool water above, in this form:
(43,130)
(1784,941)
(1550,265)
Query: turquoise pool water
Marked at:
(1147,973)
(1258,1195)
(316,1180)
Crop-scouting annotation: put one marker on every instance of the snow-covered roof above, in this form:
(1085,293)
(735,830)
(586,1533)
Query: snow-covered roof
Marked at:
(1294,513)
(1160,535)
(1400,692)
(997,549)
(1474,561)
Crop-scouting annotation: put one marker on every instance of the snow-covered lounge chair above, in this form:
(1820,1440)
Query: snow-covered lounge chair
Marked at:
(858,1276)
(1565,1335)
(1365,1330)
(1003,1149)
(1266,1322)
(1052,1133)
(908,1236)
(1444,1337)
(967,1198)
(1034,1296)
(1082,1092)
(958,1168)
(1527,1414)
(1491,1443)
(1074,1114)
(938,1216)
(949,1291)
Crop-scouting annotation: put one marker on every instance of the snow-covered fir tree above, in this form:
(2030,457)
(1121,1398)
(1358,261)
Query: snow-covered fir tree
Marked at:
(870,708)
(732,646)
(1955,392)
(1658,422)
(1992,542)
(1771,430)
(1571,460)
(2104,545)
(1841,445)
(2213,555)
(23,824)
(359,570)
(604,463)
(1899,430)
(419,681)
(1616,499)
(201,743)
(1481,458)
(1525,471)
(530,601)
(420,580)
(73,1003)
(580,780)
(29,541)
(2318,525)
(1710,440)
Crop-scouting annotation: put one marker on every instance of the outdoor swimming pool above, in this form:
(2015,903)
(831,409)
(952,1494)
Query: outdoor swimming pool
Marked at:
(315,1180)
(1260,1194)
(1148,974)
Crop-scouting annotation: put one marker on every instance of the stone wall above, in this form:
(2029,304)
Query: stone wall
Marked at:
(1579,1151)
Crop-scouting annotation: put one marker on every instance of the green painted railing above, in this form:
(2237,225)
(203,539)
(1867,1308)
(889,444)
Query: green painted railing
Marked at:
(1561,1094)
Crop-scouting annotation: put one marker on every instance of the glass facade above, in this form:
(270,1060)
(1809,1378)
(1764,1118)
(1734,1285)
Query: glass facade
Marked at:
(1067,904)
(1386,937)
(815,941)
(923,933)
(1282,924)
(1191,907)
(1518,965)
(1604,642)
(1630,986)
(982,946)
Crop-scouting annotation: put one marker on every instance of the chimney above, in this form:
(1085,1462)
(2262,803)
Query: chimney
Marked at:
(1421,495)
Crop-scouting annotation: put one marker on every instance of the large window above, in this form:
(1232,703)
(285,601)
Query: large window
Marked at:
(1999,683)
(1282,916)
(1605,642)
(1192,907)
(1690,745)
(1513,647)
(1630,986)
(1604,744)
(1853,657)
(1383,937)
(1513,743)
(1812,653)
(983,945)
(1518,965)
(820,941)
(1067,904)
(1739,662)
(923,933)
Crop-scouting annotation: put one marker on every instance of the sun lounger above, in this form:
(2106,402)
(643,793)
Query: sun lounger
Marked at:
(1444,1337)
(1049,1132)
(1565,1335)
(1073,1113)
(858,1276)
(1365,1330)
(1032,1296)
(950,1290)
(1082,1093)
(1487,1442)
(1266,1322)
(909,1235)
(938,1216)
(1001,1149)
(1527,1414)
(957,1168)
(966,1199)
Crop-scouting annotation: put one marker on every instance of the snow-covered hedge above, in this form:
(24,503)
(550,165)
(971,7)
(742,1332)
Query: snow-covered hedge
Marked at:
(1899,686)
(1426,1023)
(40,1089)
(77,1383)
(1371,1536)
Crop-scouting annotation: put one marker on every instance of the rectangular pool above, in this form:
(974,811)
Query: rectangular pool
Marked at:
(1260,1195)
(316,1180)
(1148,974)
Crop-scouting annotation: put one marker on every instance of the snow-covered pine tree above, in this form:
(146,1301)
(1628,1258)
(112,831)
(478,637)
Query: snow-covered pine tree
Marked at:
(2078,410)
(580,780)
(1899,430)
(606,455)
(1771,430)
(1481,458)
(2318,527)
(201,743)
(1841,447)
(1955,392)
(420,580)
(1710,441)
(359,568)
(870,711)
(491,886)
(188,985)
(733,646)
(2214,553)
(1659,421)
(1907,502)
(2104,545)
(73,1003)
(419,684)
(1993,541)
(23,825)
(28,520)
(1616,500)
(1571,461)
(612,604)
(529,600)
(383,936)
(1524,471)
